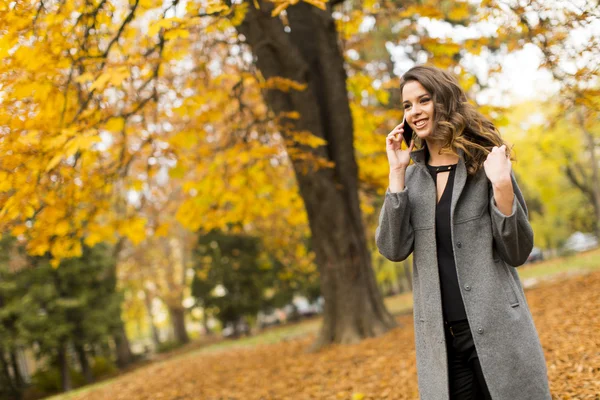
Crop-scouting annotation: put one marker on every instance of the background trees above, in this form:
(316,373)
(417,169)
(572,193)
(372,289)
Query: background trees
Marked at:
(74,309)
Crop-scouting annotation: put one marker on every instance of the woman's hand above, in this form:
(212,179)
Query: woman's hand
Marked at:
(498,166)
(398,158)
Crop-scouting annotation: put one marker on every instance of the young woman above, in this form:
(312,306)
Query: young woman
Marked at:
(459,209)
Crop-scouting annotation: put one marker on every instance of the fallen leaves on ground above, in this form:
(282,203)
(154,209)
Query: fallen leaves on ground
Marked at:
(566,313)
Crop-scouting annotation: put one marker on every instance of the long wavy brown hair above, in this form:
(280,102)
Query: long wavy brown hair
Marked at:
(456,123)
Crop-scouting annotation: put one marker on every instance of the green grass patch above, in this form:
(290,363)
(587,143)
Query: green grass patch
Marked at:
(80,391)
(576,263)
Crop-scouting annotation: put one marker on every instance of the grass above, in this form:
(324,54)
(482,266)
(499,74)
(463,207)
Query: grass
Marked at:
(402,303)
(573,264)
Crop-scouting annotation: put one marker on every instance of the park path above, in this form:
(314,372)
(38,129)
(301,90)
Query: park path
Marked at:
(566,311)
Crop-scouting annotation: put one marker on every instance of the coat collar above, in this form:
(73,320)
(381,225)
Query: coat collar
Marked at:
(460,178)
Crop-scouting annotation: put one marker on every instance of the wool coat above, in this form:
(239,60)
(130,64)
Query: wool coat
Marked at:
(488,246)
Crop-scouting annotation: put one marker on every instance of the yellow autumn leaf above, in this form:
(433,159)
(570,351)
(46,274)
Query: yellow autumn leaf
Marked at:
(459,11)
(85,77)
(19,230)
(134,229)
(216,6)
(115,124)
(178,171)
(177,33)
(54,162)
(118,75)
(162,230)
(61,228)
(185,139)
(290,115)
(423,11)
(137,185)
(383,96)
(308,139)
(98,234)
(101,81)
(283,84)
(239,13)
(317,3)
(282,6)
(165,23)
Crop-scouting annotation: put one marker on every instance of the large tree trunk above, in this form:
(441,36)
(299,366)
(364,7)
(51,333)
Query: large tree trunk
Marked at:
(310,54)
(178,320)
(84,363)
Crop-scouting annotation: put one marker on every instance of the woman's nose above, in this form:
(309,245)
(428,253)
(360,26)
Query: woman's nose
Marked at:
(416,110)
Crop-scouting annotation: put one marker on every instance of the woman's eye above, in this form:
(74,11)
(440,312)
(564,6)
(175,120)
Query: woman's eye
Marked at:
(425,99)
(406,106)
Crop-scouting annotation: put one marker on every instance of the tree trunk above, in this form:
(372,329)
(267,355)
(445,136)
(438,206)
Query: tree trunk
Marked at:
(63,364)
(19,383)
(85,365)
(124,357)
(148,303)
(309,54)
(207,330)
(178,320)
(595,181)
(9,388)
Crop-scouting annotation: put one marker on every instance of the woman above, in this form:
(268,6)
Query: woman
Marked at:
(458,207)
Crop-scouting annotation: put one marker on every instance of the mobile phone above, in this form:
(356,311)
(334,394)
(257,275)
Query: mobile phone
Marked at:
(408,132)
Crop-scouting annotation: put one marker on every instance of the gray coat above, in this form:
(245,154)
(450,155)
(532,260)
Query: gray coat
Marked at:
(487,247)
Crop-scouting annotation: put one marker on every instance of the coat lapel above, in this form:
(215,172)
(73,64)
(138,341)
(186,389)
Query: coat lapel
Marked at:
(460,178)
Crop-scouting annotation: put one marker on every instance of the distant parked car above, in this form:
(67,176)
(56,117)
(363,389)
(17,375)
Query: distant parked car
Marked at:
(269,318)
(535,255)
(231,331)
(581,242)
(301,307)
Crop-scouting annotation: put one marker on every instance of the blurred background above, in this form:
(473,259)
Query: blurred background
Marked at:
(177,176)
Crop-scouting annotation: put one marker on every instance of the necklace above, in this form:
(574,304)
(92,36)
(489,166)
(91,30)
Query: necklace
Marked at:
(441,168)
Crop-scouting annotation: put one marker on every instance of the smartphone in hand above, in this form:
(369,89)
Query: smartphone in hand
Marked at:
(408,132)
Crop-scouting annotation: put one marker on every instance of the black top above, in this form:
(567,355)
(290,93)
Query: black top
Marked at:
(452,303)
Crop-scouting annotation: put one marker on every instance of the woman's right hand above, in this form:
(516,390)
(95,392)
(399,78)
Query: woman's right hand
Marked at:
(398,158)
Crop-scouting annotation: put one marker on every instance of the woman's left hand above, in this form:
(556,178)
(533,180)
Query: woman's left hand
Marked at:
(498,166)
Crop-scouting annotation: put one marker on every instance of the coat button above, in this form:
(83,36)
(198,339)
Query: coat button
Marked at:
(467,287)
(459,245)
(480,331)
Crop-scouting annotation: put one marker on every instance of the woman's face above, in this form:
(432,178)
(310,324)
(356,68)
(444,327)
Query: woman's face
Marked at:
(418,108)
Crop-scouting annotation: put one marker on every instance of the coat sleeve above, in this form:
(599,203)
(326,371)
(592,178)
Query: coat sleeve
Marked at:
(513,235)
(394,235)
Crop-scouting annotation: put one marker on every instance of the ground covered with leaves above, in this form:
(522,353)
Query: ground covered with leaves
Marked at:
(566,311)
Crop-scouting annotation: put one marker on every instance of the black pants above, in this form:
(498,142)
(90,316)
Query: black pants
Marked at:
(466,377)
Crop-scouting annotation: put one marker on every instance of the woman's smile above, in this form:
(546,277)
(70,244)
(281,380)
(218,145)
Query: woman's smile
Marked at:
(419,124)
